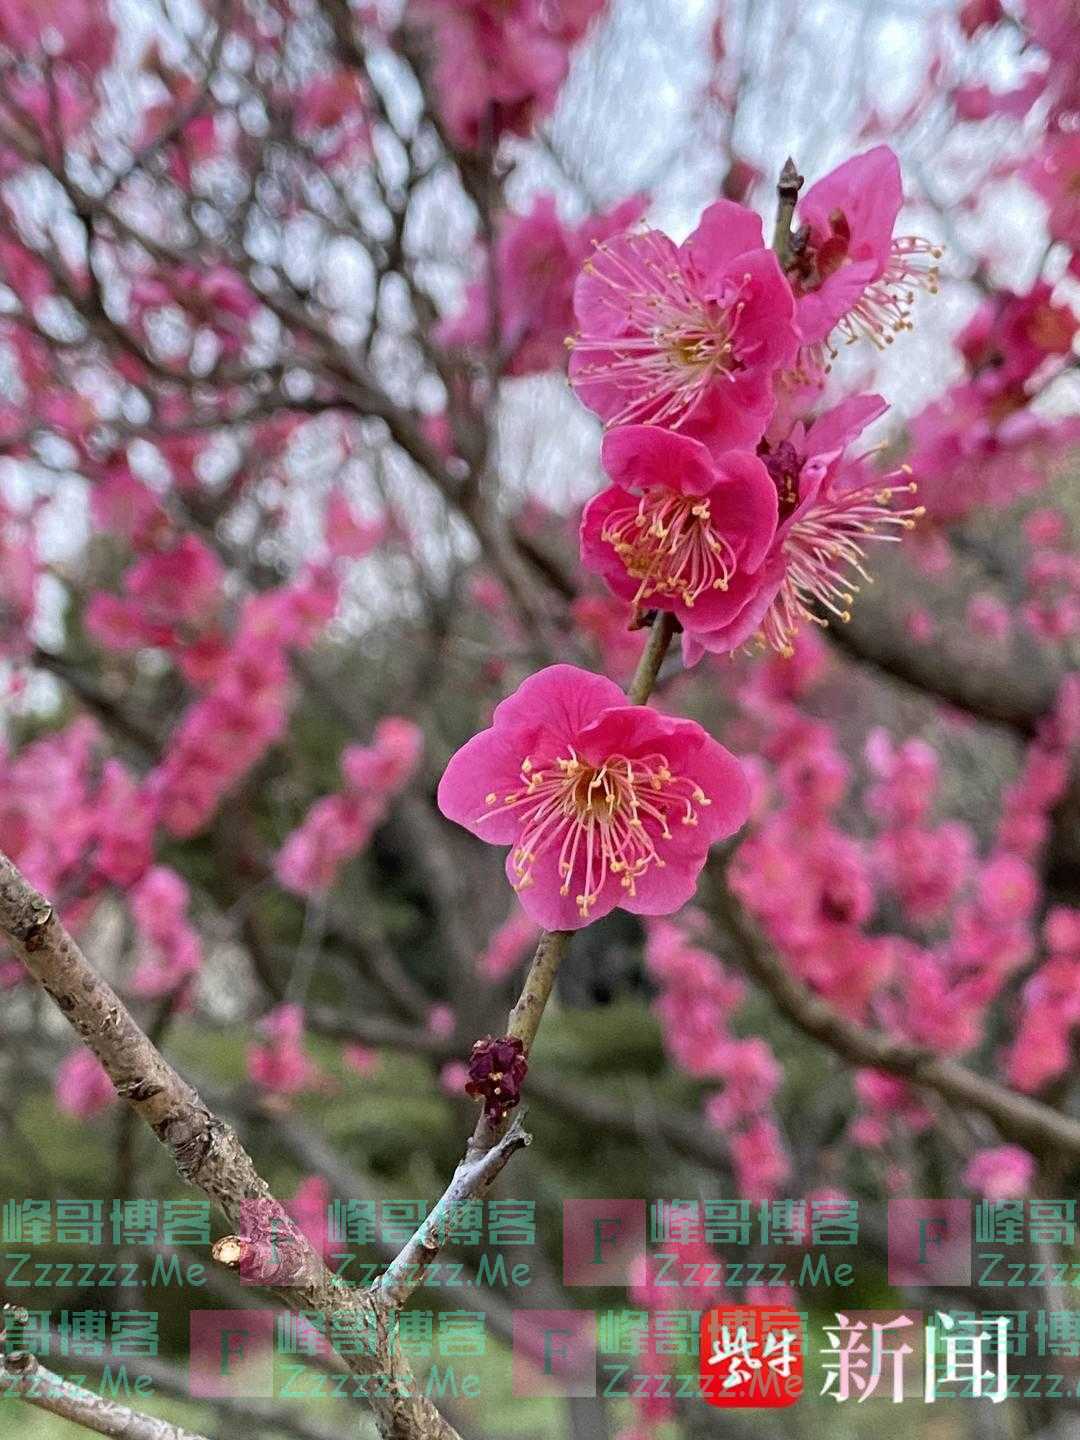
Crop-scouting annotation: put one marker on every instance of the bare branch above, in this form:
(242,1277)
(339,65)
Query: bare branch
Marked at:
(24,1377)
(207,1151)
(407,1270)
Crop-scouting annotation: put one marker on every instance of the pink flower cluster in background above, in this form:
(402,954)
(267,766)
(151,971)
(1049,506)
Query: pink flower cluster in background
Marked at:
(280,1064)
(537,259)
(338,827)
(697,1000)
(499,67)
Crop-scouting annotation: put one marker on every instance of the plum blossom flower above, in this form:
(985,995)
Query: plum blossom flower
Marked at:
(537,258)
(499,66)
(507,946)
(1050,1011)
(1053,172)
(1011,336)
(168,594)
(441,1021)
(925,868)
(77,32)
(331,113)
(1004,1172)
(989,616)
(849,273)
(687,336)
(605,621)
(886,1098)
(337,827)
(82,1087)
(126,819)
(978,446)
(603,804)
(453,1077)
(760,1159)
(170,950)
(348,535)
(975,14)
(830,508)
(361,1059)
(226,730)
(679,530)
(282,1066)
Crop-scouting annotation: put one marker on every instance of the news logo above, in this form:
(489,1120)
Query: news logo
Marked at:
(751,1357)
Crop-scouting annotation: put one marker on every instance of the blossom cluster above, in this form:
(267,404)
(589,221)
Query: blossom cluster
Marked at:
(337,827)
(279,1063)
(908,928)
(732,506)
(697,1000)
(243,711)
(498,68)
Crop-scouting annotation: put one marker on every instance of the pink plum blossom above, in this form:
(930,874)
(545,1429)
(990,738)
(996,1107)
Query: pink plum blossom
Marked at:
(361,1059)
(988,615)
(537,259)
(1011,336)
(168,594)
(348,536)
(77,32)
(281,1066)
(680,530)
(1004,1172)
(170,952)
(691,337)
(83,1089)
(606,620)
(760,1158)
(978,446)
(331,113)
(453,1077)
(848,271)
(603,804)
(126,822)
(441,1021)
(1053,172)
(507,946)
(975,14)
(829,510)
(244,711)
(499,67)
(337,827)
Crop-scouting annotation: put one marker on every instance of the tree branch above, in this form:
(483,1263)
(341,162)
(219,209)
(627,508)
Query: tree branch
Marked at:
(24,1377)
(407,1270)
(206,1150)
(1039,1128)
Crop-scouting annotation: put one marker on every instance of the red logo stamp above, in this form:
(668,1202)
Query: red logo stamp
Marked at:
(751,1356)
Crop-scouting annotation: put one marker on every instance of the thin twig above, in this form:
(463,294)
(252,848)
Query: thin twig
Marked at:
(407,1270)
